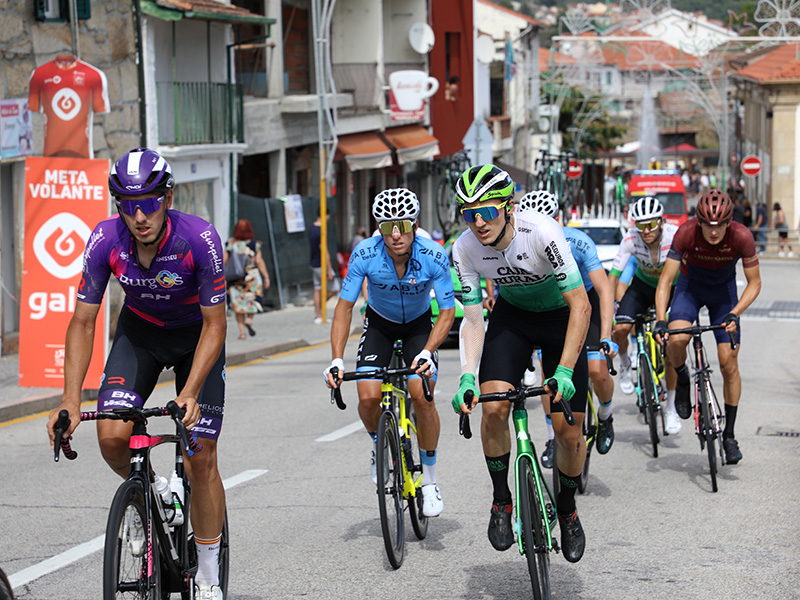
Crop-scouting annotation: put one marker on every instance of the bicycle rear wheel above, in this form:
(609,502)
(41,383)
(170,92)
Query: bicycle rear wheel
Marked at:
(589,434)
(445,204)
(707,431)
(390,488)
(534,538)
(131,562)
(413,456)
(648,391)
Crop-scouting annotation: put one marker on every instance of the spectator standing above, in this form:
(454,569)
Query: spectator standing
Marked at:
(245,293)
(760,227)
(738,211)
(779,222)
(704,183)
(360,236)
(747,219)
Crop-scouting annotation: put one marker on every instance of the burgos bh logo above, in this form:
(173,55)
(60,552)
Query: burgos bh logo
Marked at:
(59,243)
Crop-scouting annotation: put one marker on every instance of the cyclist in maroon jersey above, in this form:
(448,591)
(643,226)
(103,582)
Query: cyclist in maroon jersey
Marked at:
(705,250)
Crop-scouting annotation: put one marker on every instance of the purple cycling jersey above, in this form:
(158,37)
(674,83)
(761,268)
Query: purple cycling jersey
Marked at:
(186,272)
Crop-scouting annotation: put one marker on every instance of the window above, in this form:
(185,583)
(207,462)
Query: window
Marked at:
(59,10)
(195,199)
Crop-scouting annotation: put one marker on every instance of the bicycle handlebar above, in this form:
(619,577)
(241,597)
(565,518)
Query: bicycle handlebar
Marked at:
(514,395)
(383,373)
(609,362)
(696,330)
(132,413)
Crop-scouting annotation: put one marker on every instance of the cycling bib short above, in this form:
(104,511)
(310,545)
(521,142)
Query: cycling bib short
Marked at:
(141,350)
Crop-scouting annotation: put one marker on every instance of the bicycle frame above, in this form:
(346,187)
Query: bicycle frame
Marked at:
(646,345)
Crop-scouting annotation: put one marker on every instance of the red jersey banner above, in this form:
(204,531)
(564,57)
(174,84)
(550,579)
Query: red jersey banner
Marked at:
(68,91)
(64,199)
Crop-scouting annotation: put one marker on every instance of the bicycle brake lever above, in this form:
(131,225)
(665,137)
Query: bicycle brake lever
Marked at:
(62,444)
(568,416)
(463,418)
(336,393)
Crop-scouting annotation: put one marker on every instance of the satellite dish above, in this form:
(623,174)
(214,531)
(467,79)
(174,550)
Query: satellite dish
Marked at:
(421,37)
(484,49)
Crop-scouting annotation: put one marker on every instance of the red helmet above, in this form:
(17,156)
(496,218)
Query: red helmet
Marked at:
(715,208)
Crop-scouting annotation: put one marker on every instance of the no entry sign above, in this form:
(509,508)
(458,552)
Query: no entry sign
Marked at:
(751,165)
(575,169)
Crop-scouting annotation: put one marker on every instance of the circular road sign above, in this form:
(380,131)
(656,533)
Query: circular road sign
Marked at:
(575,169)
(751,165)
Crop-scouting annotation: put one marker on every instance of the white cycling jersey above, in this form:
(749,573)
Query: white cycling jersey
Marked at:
(648,269)
(533,272)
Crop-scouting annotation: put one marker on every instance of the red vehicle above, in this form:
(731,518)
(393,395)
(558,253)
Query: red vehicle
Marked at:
(667,186)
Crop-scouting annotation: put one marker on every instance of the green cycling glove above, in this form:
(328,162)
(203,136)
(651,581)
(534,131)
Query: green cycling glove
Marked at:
(563,376)
(467,382)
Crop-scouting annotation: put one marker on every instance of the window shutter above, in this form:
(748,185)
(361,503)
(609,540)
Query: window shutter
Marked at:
(39,8)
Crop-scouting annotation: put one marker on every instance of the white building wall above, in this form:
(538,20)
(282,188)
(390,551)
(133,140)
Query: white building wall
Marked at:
(357,31)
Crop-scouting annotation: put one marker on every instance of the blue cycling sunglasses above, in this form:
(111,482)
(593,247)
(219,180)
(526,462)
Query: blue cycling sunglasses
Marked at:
(148,205)
(487,213)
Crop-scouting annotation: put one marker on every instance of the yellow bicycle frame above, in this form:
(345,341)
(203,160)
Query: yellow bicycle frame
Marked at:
(394,398)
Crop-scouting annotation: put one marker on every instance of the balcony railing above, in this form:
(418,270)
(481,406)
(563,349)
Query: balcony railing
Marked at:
(199,113)
(360,80)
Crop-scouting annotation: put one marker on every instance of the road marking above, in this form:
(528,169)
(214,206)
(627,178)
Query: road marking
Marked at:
(72,555)
(340,433)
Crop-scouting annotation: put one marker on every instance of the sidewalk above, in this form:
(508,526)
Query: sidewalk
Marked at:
(276,331)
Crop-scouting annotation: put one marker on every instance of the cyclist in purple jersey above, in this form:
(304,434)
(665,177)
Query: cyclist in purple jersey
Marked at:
(170,267)
(705,251)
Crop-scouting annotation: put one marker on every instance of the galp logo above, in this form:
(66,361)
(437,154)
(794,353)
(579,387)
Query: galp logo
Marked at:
(58,245)
(66,104)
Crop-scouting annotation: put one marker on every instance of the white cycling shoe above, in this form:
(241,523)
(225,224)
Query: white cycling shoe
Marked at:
(432,503)
(206,591)
(626,380)
(672,422)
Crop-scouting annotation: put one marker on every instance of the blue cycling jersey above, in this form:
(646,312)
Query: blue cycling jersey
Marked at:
(584,251)
(629,271)
(399,300)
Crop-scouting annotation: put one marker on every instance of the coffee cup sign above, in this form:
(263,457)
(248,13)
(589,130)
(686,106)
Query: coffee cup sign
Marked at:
(410,88)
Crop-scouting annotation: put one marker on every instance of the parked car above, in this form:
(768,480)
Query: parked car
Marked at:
(607,234)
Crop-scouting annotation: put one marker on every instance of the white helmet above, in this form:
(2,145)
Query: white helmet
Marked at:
(541,201)
(645,209)
(395,204)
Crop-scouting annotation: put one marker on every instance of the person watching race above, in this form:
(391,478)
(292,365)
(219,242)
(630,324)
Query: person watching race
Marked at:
(400,268)
(649,241)
(169,265)
(541,303)
(703,255)
(598,340)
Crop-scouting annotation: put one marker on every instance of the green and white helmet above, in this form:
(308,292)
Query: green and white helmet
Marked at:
(484,182)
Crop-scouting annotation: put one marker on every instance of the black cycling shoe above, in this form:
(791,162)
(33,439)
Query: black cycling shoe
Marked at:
(732,453)
(683,404)
(547,455)
(573,540)
(605,435)
(501,534)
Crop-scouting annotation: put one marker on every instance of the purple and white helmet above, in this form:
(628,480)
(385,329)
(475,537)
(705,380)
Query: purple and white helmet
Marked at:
(140,171)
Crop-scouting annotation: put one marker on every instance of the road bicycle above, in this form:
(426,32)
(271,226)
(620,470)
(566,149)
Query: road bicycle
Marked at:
(536,514)
(398,455)
(590,422)
(162,558)
(650,392)
(709,420)
(446,204)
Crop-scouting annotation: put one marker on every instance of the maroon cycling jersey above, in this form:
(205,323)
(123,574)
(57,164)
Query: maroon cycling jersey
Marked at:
(186,272)
(700,261)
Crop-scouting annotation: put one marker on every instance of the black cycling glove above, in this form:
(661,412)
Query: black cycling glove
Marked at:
(731,318)
(661,329)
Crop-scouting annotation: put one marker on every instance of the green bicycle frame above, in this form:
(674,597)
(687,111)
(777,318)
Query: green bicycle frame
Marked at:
(525,450)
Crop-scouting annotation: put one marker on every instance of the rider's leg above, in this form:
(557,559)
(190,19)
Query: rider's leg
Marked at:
(732,384)
(369,403)
(114,439)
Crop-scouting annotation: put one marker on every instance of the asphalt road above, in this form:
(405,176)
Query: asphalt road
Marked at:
(304,519)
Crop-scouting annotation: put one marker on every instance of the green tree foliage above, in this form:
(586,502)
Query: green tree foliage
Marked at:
(598,134)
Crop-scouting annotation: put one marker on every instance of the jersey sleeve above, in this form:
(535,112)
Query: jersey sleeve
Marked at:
(34,90)
(468,276)
(356,271)
(442,280)
(97,264)
(623,255)
(590,259)
(100,102)
(629,271)
(209,268)
(682,240)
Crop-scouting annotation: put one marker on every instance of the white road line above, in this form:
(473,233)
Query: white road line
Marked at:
(340,433)
(80,551)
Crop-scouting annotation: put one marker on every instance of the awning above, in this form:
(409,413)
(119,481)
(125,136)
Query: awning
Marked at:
(207,10)
(364,151)
(411,142)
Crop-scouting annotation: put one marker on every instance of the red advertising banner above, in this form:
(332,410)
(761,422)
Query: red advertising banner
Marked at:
(64,199)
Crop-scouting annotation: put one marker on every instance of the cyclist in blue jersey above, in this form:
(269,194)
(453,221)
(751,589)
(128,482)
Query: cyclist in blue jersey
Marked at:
(169,265)
(400,268)
(598,338)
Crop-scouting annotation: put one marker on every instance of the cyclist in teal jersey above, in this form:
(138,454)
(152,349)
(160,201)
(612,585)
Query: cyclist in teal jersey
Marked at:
(542,303)
(400,268)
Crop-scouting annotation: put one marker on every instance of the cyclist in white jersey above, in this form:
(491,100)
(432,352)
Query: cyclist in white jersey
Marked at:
(649,242)
(542,303)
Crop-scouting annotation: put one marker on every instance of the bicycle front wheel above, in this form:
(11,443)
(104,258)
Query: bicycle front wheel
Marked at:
(413,456)
(390,488)
(131,562)
(445,205)
(589,434)
(534,538)
(707,431)
(648,391)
